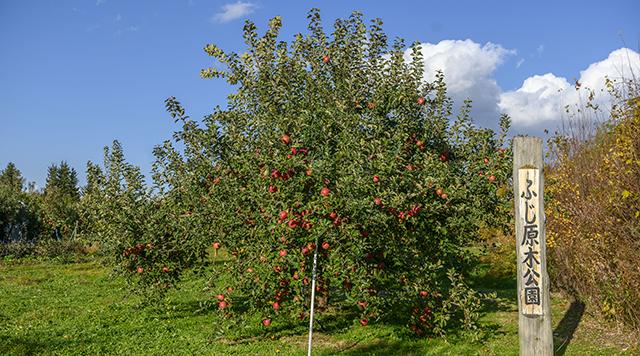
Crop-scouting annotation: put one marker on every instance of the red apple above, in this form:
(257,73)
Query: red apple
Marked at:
(423,293)
(420,101)
(333,215)
(204,200)
(492,178)
(377,201)
(140,270)
(275,174)
(273,188)
(286,139)
(363,304)
(216,181)
(223,305)
(325,192)
(325,245)
(308,172)
(364,322)
(444,196)
(419,143)
(501,151)
(216,245)
(283,215)
(294,151)
(276,305)
(371,105)
(283,253)
(376,179)
(439,191)
(165,269)
(325,59)
(486,160)
(266,322)
(364,234)
(381,265)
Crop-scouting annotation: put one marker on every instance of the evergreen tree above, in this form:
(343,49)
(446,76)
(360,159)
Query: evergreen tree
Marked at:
(16,204)
(65,180)
(11,179)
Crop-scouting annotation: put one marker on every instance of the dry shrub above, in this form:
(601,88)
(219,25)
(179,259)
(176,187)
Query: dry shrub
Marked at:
(41,249)
(502,257)
(593,204)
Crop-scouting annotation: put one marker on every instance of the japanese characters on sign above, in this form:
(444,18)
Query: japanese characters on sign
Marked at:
(529,255)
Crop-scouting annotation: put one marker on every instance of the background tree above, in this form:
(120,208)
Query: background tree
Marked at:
(144,236)
(16,205)
(11,179)
(64,180)
(60,208)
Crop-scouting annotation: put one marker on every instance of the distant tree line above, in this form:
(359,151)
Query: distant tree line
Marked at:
(52,212)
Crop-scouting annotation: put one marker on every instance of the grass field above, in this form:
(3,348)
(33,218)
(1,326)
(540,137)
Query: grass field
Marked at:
(49,308)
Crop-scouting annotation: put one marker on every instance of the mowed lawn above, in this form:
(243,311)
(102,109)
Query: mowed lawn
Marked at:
(75,309)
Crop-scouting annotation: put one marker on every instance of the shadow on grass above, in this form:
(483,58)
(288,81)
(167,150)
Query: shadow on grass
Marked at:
(404,348)
(567,326)
(33,344)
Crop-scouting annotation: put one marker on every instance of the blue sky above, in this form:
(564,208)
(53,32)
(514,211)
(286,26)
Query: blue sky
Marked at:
(76,75)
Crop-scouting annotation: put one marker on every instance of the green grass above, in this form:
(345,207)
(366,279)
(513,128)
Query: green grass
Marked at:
(75,309)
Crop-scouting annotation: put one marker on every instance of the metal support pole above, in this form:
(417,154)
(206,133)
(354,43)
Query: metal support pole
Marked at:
(313,296)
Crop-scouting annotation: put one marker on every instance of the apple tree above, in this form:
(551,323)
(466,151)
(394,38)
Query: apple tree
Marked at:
(336,143)
(141,231)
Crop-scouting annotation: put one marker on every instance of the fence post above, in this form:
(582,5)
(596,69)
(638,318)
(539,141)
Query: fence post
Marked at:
(534,309)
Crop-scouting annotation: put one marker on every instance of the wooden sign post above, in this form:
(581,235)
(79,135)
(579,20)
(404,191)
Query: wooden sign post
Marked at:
(536,337)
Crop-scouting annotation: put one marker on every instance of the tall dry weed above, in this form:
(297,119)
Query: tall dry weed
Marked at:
(593,202)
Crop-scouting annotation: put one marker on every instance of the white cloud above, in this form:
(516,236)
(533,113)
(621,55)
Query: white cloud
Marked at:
(131,28)
(118,18)
(98,2)
(540,102)
(540,50)
(233,11)
(467,68)
(542,99)
(620,63)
